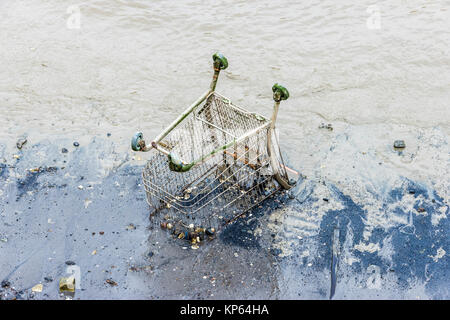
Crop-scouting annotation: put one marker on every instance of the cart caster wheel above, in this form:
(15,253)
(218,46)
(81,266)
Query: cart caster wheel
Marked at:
(136,141)
(279,92)
(223,62)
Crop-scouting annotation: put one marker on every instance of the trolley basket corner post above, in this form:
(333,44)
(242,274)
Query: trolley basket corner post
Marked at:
(213,163)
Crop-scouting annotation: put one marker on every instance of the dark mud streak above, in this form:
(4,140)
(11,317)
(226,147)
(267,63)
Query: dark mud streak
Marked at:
(30,181)
(413,246)
(351,217)
(334,261)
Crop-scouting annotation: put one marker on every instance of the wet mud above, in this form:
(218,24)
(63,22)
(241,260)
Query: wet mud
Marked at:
(83,213)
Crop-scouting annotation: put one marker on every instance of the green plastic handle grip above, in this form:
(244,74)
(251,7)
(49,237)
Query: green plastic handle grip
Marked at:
(221,60)
(279,92)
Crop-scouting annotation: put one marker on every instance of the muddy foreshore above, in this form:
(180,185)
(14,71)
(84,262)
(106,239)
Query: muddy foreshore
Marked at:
(84,212)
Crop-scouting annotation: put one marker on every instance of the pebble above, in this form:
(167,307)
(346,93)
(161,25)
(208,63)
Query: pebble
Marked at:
(111,282)
(64,150)
(70,263)
(131,227)
(326,126)
(108,134)
(76,144)
(48,279)
(37,288)
(6,284)
(67,284)
(399,144)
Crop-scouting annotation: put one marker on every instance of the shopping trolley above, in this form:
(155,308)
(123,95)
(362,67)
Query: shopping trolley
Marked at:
(215,162)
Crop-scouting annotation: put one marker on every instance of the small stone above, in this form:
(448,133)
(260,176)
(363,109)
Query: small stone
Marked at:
(325,199)
(37,288)
(421,209)
(150,254)
(101,233)
(6,284)
(399,144)
(64,150)
(70,263)
(48,279)
(76,144)
(131,227)
(111,282)
(67,284)
(326,126)
(108,134)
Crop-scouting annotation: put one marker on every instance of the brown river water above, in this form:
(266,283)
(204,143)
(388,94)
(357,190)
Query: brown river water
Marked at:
(377,71)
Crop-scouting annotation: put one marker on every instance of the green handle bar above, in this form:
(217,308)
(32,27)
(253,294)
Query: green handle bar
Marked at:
(279,92)
(220,60)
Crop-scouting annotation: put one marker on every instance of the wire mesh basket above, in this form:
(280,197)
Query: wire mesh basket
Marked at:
(215,162)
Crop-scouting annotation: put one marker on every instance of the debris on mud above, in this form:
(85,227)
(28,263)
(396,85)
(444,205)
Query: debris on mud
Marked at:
(131,227)
(67,284)
(20,143)
(142,268)
(6,284)
(37,288)
(399,144)
(111,282)
(326,126)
